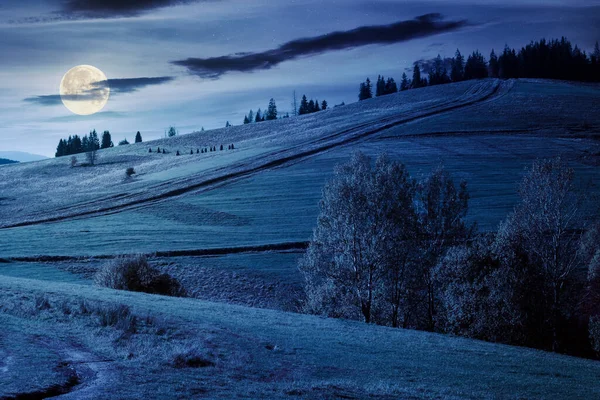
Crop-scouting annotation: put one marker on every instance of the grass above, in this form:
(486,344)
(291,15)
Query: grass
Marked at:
(268,354)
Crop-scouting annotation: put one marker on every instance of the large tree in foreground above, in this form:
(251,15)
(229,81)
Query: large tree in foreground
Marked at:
(363,211)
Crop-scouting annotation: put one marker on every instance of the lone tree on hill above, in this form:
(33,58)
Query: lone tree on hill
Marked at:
(172,131)
(138,137)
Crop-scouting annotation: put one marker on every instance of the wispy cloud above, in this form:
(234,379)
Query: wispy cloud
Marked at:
(116,86)
(425,25)
(115,8)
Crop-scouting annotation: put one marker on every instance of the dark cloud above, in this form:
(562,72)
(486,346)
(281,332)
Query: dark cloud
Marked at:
(130,85)
(425,25)
(115,8)
(117,86)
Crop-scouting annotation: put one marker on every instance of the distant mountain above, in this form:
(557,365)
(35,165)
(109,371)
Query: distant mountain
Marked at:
(21,156)
(7,161)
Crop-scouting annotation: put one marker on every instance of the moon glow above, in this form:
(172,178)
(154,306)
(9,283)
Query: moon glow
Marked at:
(83,90)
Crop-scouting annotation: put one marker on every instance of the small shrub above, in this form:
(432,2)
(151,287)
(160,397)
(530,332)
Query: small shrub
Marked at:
(135,274)
(42,303)
(118,316)
(192,358)
(129,171)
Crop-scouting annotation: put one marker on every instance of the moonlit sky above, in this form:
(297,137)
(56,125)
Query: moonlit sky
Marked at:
(131,41)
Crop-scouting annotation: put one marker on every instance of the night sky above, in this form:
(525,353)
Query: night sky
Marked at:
(194,64)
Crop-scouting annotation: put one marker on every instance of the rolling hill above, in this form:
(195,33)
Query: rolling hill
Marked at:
(231,225)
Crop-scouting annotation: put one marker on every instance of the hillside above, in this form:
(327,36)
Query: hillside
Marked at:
(231,225)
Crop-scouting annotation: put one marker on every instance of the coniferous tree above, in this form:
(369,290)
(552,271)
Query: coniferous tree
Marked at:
(172,131)
(303,106)
(417,82)
(508,64)
(366,90)
(458,67)
(93,141)
(380,86)
(476,67)
(390,86)
(324,105)
(246,121)
(106,140)
(404,83)
(311,106)
(438,74)
(494,67)
(250,117)
(258,117)
(138,137)
(271,110)
(317,106)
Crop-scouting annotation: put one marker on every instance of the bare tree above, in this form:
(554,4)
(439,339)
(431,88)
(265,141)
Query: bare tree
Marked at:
(92,155)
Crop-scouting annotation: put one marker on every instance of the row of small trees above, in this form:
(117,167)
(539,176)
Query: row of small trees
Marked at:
(393,251)
(91,142)
(555,59)
(269,115)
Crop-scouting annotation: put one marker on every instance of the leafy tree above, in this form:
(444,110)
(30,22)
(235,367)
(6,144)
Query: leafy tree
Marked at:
(360,225)
(138,137)
(106,140)
(458,67)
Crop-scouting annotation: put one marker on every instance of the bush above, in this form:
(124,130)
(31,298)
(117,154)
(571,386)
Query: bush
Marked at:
(191,358)
(118,316)
(135,274)
(129,171)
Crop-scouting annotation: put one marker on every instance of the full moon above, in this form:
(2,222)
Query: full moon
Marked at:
(83,90)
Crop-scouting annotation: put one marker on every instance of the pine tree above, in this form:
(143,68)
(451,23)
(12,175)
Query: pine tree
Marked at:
(246,121)
(177,153)
(258,117)
(390,86)
(150,150)
(93,141)
(106,140)
(476,67)
(416,80)
(317,107)
(324,105)
(227,125)
(380,86)
(172,131)
(271,110)
(311,106)
(250,117)
(458,67)
(138,137)
(494,67)
(404,83)
(366,90)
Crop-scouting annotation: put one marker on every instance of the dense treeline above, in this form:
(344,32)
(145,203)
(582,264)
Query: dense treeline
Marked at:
(554,59)
(306,107)
(394,251)
(76,145)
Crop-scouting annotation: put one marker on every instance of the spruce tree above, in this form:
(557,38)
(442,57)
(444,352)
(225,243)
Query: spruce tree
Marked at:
(390,86)
(476,67)
(271,110)
(246,121)
(324,105)
(380,86)
(138,137)
(251,117)
(258,117)
(416,80)
(494,67)
(458,67)
(311,106)
(404,83)
(106,140)
(303,106)
(317,107)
